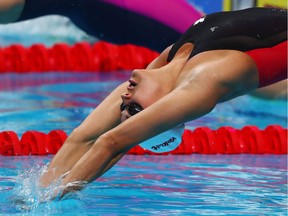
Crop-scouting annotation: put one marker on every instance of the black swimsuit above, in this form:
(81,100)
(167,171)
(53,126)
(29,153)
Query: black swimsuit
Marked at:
(237,30)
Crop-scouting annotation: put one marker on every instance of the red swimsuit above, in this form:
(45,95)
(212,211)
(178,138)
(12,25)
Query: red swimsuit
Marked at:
(271,63)
(260,32)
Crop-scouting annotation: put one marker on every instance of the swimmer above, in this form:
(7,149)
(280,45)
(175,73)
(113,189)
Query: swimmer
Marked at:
(203,68)
(153,25)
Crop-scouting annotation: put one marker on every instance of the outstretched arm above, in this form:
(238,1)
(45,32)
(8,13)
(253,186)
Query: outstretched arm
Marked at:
(10,10)
(194,99)
(276,91)
(116,142)
(101,120)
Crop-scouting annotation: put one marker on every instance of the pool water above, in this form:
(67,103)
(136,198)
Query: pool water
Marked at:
(47,101)
(159,185)
(138,185)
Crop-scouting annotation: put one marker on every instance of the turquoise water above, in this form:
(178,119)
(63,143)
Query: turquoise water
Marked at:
(47,101)
(138,185)
(158,185)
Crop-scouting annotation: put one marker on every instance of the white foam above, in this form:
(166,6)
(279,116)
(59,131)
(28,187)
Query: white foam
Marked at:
(29,196)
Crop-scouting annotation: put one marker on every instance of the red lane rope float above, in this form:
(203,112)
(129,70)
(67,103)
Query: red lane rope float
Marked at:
(203,140)
(82,56)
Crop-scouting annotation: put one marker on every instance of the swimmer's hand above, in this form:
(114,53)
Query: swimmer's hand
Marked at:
(56,190)
(62,190)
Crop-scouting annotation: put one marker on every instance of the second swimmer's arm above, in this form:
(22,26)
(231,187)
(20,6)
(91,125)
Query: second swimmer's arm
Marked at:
(10,10)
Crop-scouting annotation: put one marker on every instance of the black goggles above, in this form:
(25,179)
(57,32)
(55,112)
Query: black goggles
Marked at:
(132,109)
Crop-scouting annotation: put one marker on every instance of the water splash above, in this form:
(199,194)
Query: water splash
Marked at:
(29,197)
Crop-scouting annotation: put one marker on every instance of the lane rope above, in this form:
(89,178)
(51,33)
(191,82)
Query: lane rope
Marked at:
(203,140)
(103,56)
(82,56)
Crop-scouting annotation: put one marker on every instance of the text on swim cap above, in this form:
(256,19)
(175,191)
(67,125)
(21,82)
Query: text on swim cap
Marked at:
(164,144)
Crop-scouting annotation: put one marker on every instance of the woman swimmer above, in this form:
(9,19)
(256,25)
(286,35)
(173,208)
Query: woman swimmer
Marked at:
(168,94)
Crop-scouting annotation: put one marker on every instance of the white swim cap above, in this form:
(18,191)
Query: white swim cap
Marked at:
(166,141)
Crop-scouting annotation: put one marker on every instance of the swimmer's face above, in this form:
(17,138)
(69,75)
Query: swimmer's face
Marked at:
(142,91)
